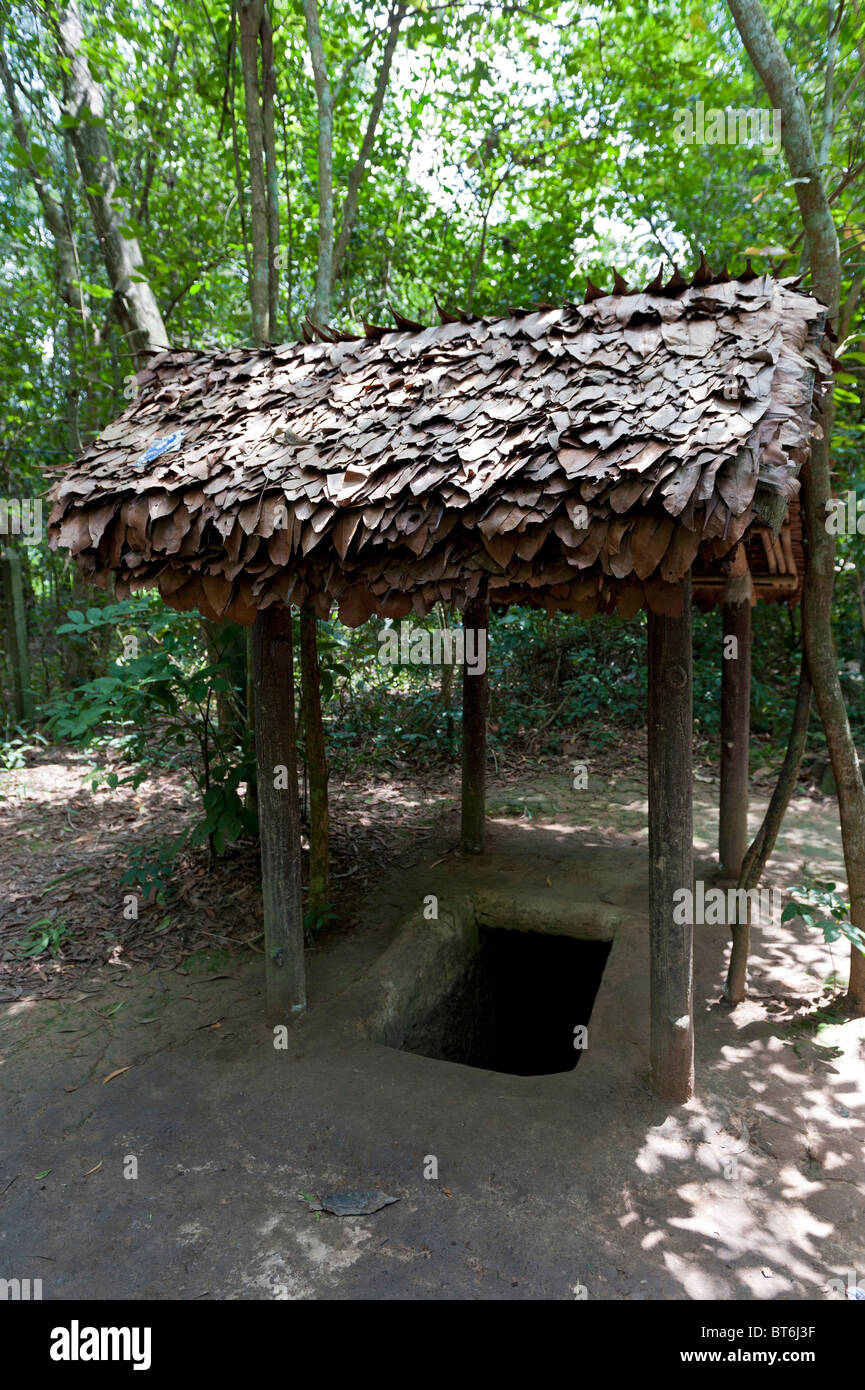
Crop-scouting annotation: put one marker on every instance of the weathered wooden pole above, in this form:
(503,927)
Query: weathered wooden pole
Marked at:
(16,629)
(671,855)
(475,694)
(735,718)
(316,763)
(278,814)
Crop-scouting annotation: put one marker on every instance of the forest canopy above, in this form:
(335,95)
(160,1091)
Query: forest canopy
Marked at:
(228,174)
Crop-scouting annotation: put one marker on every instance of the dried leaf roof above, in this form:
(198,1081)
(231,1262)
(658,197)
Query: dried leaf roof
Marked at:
(776,564)
(576,457)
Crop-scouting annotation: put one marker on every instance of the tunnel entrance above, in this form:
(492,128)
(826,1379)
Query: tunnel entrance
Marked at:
(518,1005)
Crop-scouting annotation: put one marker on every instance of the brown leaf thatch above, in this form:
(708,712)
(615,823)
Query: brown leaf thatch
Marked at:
(576,458)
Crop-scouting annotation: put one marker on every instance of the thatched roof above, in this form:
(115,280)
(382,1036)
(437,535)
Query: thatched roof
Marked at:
(776,563)
(574,457)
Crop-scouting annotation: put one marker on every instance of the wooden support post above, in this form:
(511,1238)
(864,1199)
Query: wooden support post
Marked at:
(671,856)
(475,694)
(279,814)
(249,675)
(16,629)
(316,764)
(735,719)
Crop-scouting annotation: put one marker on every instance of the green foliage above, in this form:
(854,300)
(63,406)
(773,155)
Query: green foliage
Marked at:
(520,149)
(316,920)
(44,935)
(819,905)
(151,868)
(157,709)
(547,675)
(13,751)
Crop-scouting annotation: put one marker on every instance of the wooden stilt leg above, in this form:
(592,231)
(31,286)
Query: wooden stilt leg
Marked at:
(475,694)
(735,735)
(279,814)
(671,863)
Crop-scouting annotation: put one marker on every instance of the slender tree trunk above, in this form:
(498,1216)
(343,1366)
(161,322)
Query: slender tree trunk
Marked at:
(77,661)
(332,256)
(823,671)
(348,216)
(447,680)
(16,627)
(763,843)
(324,98)
(316,762)
(251,14)
(136,303)
(478,261)
(252,17)
(58,221)
(821,238)
(235,142)
(52,211)
(222,639)
(271,169)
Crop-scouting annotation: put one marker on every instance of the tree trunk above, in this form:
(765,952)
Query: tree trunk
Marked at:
(251,13)
(135,301)
(279,816)
(224,649)
(316,762)
(271,169)
(52,211)
(16,627)
(252,17)
(355,178)
(763,843)
(475,698)
(59,223)
(324,98)
(78,666)
(671,855)
(821,238)
(823,672)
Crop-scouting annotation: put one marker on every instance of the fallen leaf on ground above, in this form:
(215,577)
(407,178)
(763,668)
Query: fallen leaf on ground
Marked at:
(111,1075)
(351,1203)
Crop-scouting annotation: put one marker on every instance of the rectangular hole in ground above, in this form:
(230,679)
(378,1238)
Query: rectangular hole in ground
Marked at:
(517,1006)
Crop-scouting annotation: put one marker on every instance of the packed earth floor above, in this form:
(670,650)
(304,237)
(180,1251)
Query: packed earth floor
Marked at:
(140,1048)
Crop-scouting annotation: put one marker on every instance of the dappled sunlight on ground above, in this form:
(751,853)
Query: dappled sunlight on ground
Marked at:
(755,1190)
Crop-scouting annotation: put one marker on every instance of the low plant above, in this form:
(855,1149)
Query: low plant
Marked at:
(44,935)
(819,905)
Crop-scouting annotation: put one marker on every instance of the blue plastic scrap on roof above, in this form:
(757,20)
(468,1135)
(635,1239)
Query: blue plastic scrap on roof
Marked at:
(166,445)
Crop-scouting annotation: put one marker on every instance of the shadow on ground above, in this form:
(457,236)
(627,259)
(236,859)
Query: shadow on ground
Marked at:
(549,1187)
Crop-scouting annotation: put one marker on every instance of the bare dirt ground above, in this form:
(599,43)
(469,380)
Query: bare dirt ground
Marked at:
(155,1142)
